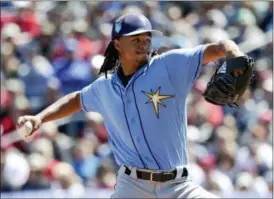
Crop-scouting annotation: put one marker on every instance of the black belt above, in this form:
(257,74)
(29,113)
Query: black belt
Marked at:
(157,176)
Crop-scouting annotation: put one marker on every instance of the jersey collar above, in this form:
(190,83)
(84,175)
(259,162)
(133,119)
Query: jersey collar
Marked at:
(118,81)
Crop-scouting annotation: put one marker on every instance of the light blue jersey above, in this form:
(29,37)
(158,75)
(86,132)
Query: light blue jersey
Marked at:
(147,119)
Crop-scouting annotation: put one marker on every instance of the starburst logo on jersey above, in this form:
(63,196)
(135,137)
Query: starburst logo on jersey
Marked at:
(156,98)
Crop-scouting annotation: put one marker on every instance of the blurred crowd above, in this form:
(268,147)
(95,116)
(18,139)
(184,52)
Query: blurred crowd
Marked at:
(49,49)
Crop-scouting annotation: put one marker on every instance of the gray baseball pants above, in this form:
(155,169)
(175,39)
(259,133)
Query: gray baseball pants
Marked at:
(129,186)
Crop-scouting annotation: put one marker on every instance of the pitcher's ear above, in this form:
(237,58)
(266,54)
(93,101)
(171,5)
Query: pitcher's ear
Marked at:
(117,45)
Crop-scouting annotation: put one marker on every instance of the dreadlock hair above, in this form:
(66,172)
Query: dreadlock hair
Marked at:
(112,61)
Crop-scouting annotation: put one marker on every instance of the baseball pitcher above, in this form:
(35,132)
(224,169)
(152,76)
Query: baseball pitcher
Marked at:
(142,97)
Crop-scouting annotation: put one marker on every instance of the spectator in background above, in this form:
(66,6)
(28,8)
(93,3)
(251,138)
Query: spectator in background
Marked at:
(68,183)
(106,175)
(216,180)
(44,147)
(95,124)
(73,72)
(26,18)
(244,181)
(37,74)
(60,141)
(16,170)
(12,37)
(37,179)
(84,160)
(85,47)
(45,39)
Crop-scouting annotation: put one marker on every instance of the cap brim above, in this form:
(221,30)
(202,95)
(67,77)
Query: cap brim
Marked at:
(137,32)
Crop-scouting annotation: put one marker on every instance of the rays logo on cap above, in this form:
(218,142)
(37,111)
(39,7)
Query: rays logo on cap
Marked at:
(118,26)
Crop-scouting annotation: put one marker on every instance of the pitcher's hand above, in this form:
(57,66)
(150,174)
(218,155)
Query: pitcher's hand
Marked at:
(35,121)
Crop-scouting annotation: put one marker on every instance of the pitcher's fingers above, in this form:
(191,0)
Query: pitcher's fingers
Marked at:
(21,121)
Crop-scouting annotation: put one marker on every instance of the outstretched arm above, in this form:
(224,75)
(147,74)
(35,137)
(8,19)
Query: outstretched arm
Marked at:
(221,49)
(65,106)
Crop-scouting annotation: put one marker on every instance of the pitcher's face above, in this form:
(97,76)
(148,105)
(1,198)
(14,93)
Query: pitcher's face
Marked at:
(136,48)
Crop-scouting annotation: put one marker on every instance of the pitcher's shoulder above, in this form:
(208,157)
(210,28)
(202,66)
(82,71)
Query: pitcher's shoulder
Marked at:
(103,78)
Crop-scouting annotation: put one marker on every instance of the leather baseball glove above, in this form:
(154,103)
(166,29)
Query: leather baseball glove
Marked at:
(230,81)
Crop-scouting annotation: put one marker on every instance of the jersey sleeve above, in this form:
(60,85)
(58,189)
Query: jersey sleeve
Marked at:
(89,96)
(184,66)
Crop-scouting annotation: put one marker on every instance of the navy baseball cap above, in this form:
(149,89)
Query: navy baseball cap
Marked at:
(132,24)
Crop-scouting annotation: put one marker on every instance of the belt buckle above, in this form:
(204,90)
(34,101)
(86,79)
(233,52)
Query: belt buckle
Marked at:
(163,173)
(151,175)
